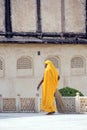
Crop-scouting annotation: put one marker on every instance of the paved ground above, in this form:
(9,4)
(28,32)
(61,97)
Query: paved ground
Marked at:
(33,121)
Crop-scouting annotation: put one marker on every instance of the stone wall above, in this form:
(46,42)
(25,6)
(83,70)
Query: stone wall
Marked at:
(55,15)
(75,15)
(21,67)
(2,17)
(23,15)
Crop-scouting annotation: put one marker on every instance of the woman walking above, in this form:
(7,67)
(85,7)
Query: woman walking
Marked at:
(49,85)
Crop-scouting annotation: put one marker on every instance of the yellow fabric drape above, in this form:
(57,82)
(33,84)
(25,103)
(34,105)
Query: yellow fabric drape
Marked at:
(49,87)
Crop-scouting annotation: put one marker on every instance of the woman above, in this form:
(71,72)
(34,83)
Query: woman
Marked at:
(49,86)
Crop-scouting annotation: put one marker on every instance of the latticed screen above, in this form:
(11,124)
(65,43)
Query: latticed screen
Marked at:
(9,104)
(1,68)
(77,62)
(28,104)
(24,63)
(1,65)
(70,104)
(24,66)
(83,104)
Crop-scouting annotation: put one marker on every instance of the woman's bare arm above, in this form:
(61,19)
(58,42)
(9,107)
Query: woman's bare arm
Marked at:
(39,84)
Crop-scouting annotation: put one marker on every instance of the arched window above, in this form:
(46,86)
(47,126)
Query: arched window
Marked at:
(1,67)
(24,63)
(77,62)
(77,65)
(24,66)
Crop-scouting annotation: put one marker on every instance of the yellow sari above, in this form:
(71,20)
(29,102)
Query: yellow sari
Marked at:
(49,87)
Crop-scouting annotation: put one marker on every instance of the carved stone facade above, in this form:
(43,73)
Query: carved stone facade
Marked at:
(32,31)
(21,67)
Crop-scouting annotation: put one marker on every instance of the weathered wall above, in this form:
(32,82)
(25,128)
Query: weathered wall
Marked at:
(2,15)
(51,15)
(11,83)
(24,15)
(15,81)
(75,15)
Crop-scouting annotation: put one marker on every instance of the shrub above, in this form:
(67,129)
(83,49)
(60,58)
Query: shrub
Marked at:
(67,91)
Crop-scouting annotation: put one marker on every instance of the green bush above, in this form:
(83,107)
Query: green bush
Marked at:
(67,91)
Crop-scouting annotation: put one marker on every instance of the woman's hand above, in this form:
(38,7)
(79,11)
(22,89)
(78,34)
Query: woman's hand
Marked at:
(38,86)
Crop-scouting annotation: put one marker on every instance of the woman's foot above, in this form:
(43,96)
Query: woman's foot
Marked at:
(50,113)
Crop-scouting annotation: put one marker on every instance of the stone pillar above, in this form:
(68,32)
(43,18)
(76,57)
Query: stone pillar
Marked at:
(37,103)
(18,104)
(1,103)
(77,101)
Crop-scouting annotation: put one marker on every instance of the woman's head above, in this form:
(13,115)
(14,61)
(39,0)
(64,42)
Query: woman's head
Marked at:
(49,63)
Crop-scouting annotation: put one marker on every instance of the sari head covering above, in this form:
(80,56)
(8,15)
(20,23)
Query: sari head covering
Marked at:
(49,87)
(54,72)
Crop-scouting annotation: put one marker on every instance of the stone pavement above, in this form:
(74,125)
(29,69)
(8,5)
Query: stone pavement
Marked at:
(39,121)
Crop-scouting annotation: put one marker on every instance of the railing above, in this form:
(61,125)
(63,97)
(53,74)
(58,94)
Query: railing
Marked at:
(18,104)
(77,104)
